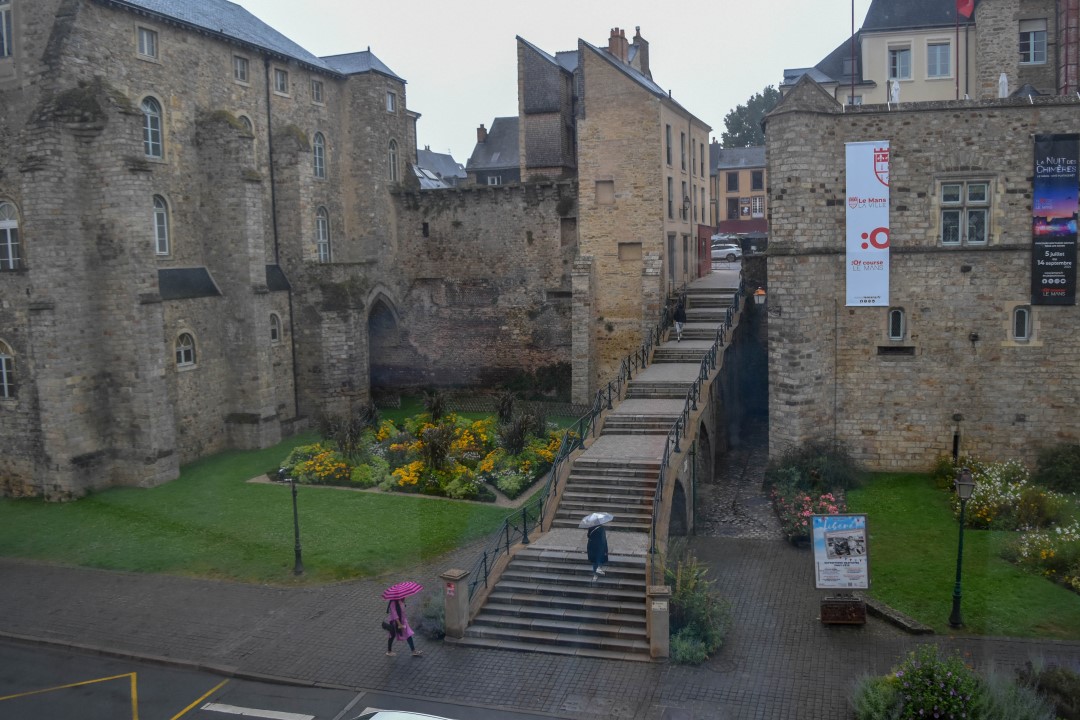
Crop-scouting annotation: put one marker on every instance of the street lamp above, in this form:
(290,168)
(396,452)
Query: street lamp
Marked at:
(759,296)
(298,565)
(965,485)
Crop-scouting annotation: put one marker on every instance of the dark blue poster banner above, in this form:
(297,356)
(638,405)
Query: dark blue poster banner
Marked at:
(1053,222)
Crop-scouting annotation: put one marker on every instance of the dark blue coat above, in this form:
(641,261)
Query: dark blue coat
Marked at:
(597,548)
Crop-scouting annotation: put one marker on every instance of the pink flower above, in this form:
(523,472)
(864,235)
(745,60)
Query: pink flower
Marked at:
(803,522)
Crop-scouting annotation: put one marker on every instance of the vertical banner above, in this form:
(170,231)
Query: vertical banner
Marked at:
(841,557)
(868,223)
(1053,220)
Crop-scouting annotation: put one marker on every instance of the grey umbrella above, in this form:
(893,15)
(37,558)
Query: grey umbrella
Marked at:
(594,519)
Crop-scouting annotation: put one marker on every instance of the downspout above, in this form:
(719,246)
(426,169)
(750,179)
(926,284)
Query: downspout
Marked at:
(274,229)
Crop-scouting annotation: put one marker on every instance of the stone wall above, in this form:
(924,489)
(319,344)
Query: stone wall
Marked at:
(833,372)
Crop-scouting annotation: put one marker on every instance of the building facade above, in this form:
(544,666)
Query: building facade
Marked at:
(739,181)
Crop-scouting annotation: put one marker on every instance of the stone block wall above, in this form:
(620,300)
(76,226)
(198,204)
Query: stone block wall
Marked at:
(833,372)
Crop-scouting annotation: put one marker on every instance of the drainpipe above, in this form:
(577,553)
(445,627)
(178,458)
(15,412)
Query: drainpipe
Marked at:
(274,228)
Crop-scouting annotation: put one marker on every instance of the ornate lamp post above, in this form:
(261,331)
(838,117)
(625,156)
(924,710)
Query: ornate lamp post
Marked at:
(298,565)
(965,485)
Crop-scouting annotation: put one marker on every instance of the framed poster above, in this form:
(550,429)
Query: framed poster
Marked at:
(841,552)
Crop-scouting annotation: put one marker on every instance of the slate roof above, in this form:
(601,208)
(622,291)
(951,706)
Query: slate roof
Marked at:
(224,19)
(735,158)
(186,283)
(442,164)
(500,150)
(359,62)
(428,180)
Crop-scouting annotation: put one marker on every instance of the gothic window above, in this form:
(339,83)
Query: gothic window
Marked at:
(319,151)
(161,226)
(185,350)
(152,143)
(10,258)
(7,371)
(322,234)
(275,329)
(1021,323)
(897,324)
(392,161)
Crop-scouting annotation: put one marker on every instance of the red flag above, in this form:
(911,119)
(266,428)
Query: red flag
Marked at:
(965,7)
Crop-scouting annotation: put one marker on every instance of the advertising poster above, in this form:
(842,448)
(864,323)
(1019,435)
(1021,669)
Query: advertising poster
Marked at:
(868,224)
(1053,221)
(841,557)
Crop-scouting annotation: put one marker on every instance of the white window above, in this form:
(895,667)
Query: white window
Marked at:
(1033,42)
(322,234)
(316,91)
(281,81)
(319,155)
(148,46)
(494,180)
(152,147)
(161,226)
(275,329)
(938,60)
(9,237)
(757,206)
(7,371)
(900,63)
(240,68)
(185,350)
(391,102)
(965,210)
(391,161)
(6,47)
(1021,323)
(853,100)
(897,324)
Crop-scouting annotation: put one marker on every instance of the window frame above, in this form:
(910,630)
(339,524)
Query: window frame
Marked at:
(153,128)
(7,30)
(895,53)
(494,180)
(185,352)
(275,329)
(391,101)
(682,150)
(667,135)
(317,95)
(392,160)
(685,211)
(965,209)
(281,81)
(318,156)
(161,227)
(323,249)
(896,324)
(1032,37)
(670,198)
(146,43)
(757,179)
(8,386)
(932,62)
(728,178)
(241,67)
(757,206)
(9,238)
(1028,325)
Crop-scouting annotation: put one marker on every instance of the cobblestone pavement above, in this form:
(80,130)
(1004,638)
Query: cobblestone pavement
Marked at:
(779,662)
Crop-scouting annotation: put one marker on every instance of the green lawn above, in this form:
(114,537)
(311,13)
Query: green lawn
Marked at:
(210,522)
(913,543)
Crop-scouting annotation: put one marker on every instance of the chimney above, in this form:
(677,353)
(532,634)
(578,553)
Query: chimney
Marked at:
(618,47)
(481,134)
(643,52)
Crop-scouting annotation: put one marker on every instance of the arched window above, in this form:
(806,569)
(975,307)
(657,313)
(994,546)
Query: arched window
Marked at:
(1021,322)
(392,161)
(185,350)
(161,226)
(7,371)
(9,237)
(248,127)
(319,153)
(275,329)
(322,234)
(152,147)
(897,324)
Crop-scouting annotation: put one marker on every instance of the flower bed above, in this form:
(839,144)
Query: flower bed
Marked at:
(794,508)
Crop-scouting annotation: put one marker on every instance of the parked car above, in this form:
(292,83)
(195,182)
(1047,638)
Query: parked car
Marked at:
(730,253)
(397,715)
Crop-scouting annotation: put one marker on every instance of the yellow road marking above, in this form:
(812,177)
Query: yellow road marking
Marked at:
(71,685)
(205,695)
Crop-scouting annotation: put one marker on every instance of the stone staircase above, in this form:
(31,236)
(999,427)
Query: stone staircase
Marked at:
(645,390)
(677,352)
(547,600)
(638,424)
(623,488)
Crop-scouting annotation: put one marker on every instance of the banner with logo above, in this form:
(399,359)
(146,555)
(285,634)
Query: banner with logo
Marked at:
(841,556)
(868,223)
(1053,220)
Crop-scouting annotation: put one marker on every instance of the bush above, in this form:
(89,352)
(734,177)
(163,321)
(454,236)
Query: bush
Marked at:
(1002,699)
(687,649)
(875,698)
(1058,468)
(370,474)
(505,406)
(815,465)
(436,403)
(1005,499)
(1058,684)
(931,686)
(432,617)
(794,507)
(513,434)
(698,613)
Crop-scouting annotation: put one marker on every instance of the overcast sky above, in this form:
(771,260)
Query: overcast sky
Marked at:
(459,57)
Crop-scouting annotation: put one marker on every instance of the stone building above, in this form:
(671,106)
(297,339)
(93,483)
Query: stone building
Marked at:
(964,358)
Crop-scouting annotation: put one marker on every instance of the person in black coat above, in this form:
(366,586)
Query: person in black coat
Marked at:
(597,549)
(680,319)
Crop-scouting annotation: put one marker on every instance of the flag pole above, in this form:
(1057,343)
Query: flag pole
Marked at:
(852,43)
(957,70)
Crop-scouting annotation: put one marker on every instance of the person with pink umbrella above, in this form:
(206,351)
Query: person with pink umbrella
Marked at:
(396,623)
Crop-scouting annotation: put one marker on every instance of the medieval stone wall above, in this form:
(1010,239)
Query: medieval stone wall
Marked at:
(833,372)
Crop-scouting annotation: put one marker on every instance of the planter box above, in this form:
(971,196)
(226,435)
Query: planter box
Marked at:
(843,611)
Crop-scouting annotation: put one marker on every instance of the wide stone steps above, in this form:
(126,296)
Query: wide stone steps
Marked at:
(700,333)
(637,425)
(639,390)
(674,352)
(548,601)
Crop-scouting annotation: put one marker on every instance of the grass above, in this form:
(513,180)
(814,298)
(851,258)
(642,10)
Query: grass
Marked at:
(912,548)
(211,522)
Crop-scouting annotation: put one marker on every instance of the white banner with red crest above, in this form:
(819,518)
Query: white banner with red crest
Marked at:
(868,224)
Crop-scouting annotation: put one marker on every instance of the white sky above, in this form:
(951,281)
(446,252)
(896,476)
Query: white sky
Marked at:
(459,57)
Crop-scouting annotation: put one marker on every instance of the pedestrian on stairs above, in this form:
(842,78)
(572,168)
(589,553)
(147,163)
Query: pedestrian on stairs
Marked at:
(680,319)
(597,549)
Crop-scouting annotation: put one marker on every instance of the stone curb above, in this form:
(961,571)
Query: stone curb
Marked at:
(880,610)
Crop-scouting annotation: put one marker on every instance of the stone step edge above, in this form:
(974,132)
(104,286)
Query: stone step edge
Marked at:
(894,617)
(518,646)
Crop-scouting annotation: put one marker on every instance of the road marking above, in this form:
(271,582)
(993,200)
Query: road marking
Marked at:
(253,712)
(349,707)
(198,700)
(133,677)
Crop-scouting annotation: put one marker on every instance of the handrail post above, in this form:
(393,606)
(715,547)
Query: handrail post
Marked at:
(506,526)
(524,526)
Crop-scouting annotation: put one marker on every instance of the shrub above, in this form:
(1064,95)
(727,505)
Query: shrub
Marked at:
(697,611)
(505,405)
(300,454)
(432,617)
(815,465)
(794,508)
(929,685)
(687,649)
(1052,552)
(1058,684)
(1000,698)
(1058,468)
(346,432)
(435,445)
(512,435)
(875,698)
(1005,499)
(324,468)
(371,473)
(436,403)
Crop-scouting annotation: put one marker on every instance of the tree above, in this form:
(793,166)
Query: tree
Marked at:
(744,122)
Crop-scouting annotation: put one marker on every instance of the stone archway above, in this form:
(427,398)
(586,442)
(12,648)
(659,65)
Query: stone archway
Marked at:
(677,524)
(387,352)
